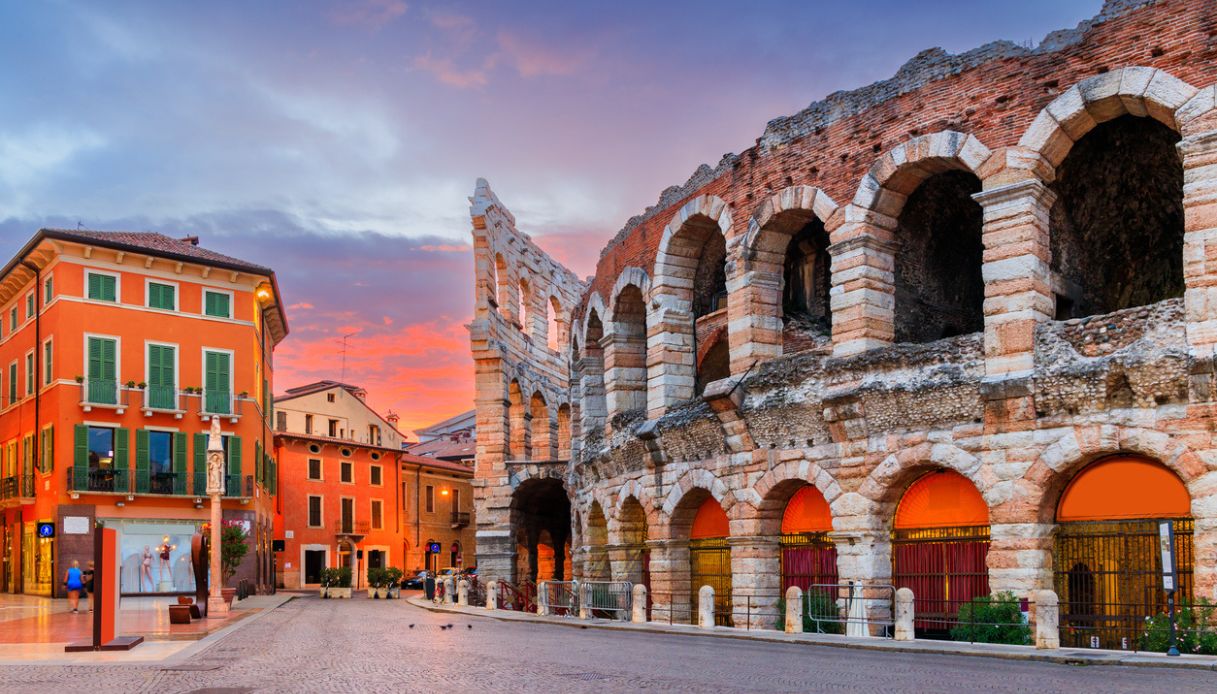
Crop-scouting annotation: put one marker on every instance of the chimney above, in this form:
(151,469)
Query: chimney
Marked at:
(392,418)
(192,240)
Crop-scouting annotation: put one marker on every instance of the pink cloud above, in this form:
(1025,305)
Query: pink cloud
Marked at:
(301,306)
(447,248)
(372,14)
(444,70)
(531,59)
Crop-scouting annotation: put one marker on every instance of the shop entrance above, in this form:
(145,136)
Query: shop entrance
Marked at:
(939,549)
(1106,556)
(314,562)
(710,560)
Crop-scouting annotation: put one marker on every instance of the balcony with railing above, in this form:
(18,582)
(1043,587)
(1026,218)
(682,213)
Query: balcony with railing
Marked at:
(218,403)
(351,527)
(101,480)
(17,487)
(100,393)
(460,519)
(161,398)
(235,486)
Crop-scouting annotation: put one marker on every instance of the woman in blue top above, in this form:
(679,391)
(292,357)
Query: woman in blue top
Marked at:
(74,582)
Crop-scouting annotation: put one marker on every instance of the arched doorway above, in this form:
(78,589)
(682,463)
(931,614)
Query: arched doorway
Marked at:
(809,557)
(710,560)
(637,565)
(940,545)
(596,533)
(1106,554)
(541,524)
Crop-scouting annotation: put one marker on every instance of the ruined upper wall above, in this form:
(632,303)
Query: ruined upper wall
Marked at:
(993,92)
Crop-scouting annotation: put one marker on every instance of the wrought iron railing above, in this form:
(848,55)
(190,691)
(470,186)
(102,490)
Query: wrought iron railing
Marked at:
(97,479)
(17,486)
(460,519)
(352,527)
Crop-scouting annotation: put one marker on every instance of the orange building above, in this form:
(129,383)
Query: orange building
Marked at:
(352,497)
(116,351)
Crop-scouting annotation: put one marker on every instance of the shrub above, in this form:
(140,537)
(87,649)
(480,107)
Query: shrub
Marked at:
(376,577)
(344,577)
(1196,629)
(992,619)
(393,576)
(821,614)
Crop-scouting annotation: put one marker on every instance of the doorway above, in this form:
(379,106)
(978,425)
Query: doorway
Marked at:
(314,562)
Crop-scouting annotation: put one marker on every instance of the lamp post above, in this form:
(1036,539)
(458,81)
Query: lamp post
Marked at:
(216,607)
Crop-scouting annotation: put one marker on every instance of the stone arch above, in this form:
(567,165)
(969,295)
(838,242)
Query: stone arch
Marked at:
(886,186)
(1136,90)
(684,287)
(589,369)
(875,501)
(556,324)
(625,355)
(690,480)
(596,539)
(779,483)
(508,294)
(518,436)
(595,306)
(541,523)
(564,432)
(783,271)
(542,428)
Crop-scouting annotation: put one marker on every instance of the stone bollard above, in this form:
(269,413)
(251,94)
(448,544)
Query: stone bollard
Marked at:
(492,595)
(462,592)
(638,612)
(542,597)
(904,615)
(448,591)
(1047,620)
(794,610)
(705,607)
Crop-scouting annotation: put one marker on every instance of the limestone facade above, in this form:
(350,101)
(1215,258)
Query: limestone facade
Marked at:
(1018,394)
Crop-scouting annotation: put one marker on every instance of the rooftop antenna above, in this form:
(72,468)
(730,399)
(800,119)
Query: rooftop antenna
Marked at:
(343,377)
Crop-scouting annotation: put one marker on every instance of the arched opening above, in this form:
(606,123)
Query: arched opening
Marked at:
(517,435)
(542,441)
(809,557)
(592,375)
(714,360)
(1117,223)
(597,567)
(541,523)
(709,554)
(528,318)
(490,289)
(507,294)
(553,324)
(710,277)
(939,289)
(626,357)
(637,557)
(564,432)
(806,282)
(1107,552)
(940,545)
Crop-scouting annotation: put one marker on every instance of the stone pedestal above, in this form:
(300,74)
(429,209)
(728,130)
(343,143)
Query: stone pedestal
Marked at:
(638,612)
(794,610)
(1047,620)
(705,607)
(904,615)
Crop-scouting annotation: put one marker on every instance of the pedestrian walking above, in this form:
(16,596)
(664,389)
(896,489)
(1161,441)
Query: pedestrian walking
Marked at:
(73,580)
(87,591)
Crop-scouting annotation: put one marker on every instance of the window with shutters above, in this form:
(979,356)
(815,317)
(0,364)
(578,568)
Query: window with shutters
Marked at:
(48,290)
(456,499)
(376,472)
(12,320)
(430,499)
(348,515)
(347,475)
(12,383)
(30,308)
(46,457)
(314,512)
(308,423)
(101,385)
(161,392)
(377,514)
(162,296)
(217,382)
(48,362)
(218,304)
(160,462)
(31,376)
(101,286)
(314,468)
(281,421)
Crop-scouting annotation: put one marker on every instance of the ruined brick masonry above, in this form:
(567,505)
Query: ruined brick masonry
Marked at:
(1021,248)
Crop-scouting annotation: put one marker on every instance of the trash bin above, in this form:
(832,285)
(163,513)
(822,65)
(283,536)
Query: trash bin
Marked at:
(429,587)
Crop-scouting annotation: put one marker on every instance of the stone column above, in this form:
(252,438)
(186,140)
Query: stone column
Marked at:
(591,382)
(1020,557)
(216,607)
(754,316)
(1047,620)
(492,594)
(670,581)
(1017,274)
(625,365)
(756,579)
(865,557)
(1199,153)
(462,592)
(638,604)
(794,610)
(863,295)
(903,630)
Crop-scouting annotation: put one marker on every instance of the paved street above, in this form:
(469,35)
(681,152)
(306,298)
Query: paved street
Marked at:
(362,645)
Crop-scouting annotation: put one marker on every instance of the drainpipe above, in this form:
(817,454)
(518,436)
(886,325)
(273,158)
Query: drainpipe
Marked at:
(418,528)
(37,452)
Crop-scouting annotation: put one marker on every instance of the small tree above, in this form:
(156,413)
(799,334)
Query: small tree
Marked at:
(992,619)
(233,548)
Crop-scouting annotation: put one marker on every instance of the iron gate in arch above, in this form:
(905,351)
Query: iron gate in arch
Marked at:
(1108,577)
(710,565)
(808,559)
(944,567)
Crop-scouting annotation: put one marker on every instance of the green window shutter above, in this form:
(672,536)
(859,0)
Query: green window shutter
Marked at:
(161,295)
(94,283)
(142,482)
(200,464)
(235,481)
(80,459)
(258,461)
(179,463)
(109,288)
(48,449)
(50,290)
(27,456)
(216,304)
(122,439)
(12,383)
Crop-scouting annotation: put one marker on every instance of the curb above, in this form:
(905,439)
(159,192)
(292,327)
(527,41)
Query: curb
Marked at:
(1063,657)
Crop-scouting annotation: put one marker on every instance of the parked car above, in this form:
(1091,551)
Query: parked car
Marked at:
(414,582)
(448,572)
(469,572)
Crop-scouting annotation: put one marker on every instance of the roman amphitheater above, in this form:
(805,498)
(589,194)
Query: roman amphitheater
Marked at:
(952,331)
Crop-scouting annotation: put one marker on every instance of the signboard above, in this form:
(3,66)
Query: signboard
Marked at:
(433,547)
(279,545)
(1166,545)
(75,525)
(46,530)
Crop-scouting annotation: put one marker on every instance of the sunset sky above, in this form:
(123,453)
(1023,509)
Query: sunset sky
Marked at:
(337,142)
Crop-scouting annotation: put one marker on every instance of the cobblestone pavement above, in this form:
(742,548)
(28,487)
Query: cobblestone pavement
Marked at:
(367,646)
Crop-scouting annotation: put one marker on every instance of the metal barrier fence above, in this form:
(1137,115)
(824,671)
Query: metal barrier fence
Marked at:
(606,599)
(520,597)
(852,609)
(558,597)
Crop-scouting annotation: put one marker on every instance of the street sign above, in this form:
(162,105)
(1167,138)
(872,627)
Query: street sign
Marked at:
(46,530)
(1166,545)
(433,547)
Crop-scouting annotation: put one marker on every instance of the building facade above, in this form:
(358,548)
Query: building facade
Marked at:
(953,331)
(119,348)
(353,498)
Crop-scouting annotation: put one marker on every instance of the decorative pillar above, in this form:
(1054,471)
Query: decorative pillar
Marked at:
(1199,153)
(1017,274)
(216,607)
(863,294)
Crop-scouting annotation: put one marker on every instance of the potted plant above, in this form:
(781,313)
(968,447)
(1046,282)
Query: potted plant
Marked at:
(329,577)
(233,549)
(130,384)
(393,576)
(80,379)
(376,583)
(243,394)
(141,385)
(189,390)
(341,587)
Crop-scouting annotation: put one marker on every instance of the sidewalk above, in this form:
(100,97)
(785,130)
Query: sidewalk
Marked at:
(1065,656)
